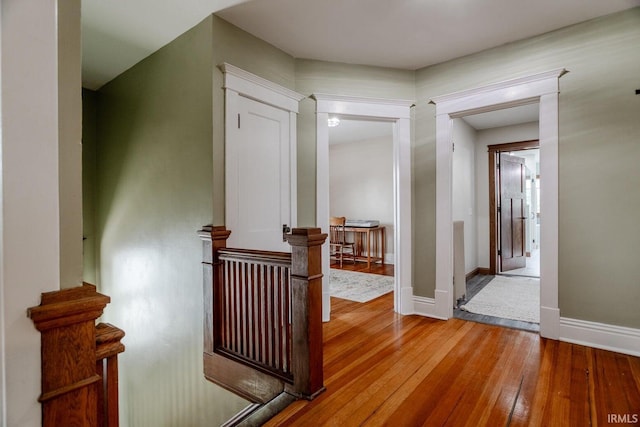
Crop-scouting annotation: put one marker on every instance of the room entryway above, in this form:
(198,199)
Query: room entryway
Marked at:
(514,183)
(361,195)
(497,203)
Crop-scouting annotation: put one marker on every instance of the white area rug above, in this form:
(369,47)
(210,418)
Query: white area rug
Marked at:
(515,298)
(359,287)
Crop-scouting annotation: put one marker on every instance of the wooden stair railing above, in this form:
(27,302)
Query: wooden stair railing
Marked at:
(263,316)
(71,347)
(108,346)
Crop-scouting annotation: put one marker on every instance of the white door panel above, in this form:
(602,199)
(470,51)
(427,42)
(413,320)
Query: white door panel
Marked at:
(258,176)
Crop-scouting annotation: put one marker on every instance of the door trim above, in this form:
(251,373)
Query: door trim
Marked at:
(238,82)
(397,112)
(542,88)
(493,195)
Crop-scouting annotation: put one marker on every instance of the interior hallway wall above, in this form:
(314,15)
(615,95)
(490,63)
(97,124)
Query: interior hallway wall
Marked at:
(464,188)
(155,190)
(90,272)
(598,131)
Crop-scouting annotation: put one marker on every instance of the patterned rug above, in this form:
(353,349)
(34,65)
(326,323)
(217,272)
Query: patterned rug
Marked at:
(515,298)
(359,287)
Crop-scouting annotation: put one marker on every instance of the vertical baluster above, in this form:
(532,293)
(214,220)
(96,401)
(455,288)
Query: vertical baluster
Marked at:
(260,313)
(234,307)
(247,311)
(242,308)
(271,317)
(287,324)
(224,295)
(281,322)
(252,314)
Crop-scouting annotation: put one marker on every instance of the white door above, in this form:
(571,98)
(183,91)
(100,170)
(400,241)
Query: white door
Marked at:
(258,175)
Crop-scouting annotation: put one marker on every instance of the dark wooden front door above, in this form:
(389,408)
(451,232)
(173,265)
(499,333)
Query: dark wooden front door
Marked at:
(512,213)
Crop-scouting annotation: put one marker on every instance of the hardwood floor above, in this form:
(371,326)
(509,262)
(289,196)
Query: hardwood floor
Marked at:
(382,368)
(384,269)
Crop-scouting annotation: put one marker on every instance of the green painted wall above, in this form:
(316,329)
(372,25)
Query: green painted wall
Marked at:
(89,182)
(154,192)
(598,158)
(336,79)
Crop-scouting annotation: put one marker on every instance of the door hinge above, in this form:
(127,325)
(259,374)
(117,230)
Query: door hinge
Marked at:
(499,209)
(238,120)
(453,146)
(499,252)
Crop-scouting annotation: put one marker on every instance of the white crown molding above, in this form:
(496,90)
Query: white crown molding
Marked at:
(506,84)
(363,107)
(347,98)
(260,89)
(600,335)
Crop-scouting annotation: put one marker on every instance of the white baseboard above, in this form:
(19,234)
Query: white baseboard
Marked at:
(424,306)
(600,335)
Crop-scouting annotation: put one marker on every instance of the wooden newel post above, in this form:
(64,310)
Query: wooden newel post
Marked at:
(213,238)
(306,284)
(66,321)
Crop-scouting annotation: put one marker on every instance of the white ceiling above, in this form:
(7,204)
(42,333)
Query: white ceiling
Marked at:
(406,34)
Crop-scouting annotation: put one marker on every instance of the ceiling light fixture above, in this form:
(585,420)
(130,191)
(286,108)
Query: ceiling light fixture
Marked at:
(333,122)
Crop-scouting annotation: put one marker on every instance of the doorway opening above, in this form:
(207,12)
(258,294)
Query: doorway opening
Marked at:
(514,230)
(361,194)
(361,190)
(398,113)
(481,255)
(542,88)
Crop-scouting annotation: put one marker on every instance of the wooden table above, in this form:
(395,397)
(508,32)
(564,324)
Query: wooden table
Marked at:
(369,243)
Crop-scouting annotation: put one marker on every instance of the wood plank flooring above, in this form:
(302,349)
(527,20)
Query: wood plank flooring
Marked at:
(384,269)
(385,369)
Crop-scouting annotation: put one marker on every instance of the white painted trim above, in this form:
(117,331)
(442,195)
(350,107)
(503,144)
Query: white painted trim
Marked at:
(600,335)
(424,306)
(541,88)
(238,82)
(397,112)
(260,89)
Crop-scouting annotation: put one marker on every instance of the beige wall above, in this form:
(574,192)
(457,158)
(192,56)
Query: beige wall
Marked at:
(598,156)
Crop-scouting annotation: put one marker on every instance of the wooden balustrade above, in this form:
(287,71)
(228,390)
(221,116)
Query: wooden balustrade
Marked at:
(108,346)
(71,346)
(263,316)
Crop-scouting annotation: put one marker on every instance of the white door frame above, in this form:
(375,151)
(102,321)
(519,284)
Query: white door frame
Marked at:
(238,82)
(397,112)
(540,88)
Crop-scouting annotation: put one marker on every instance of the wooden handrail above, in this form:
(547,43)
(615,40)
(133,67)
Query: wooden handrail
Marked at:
(108,346)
